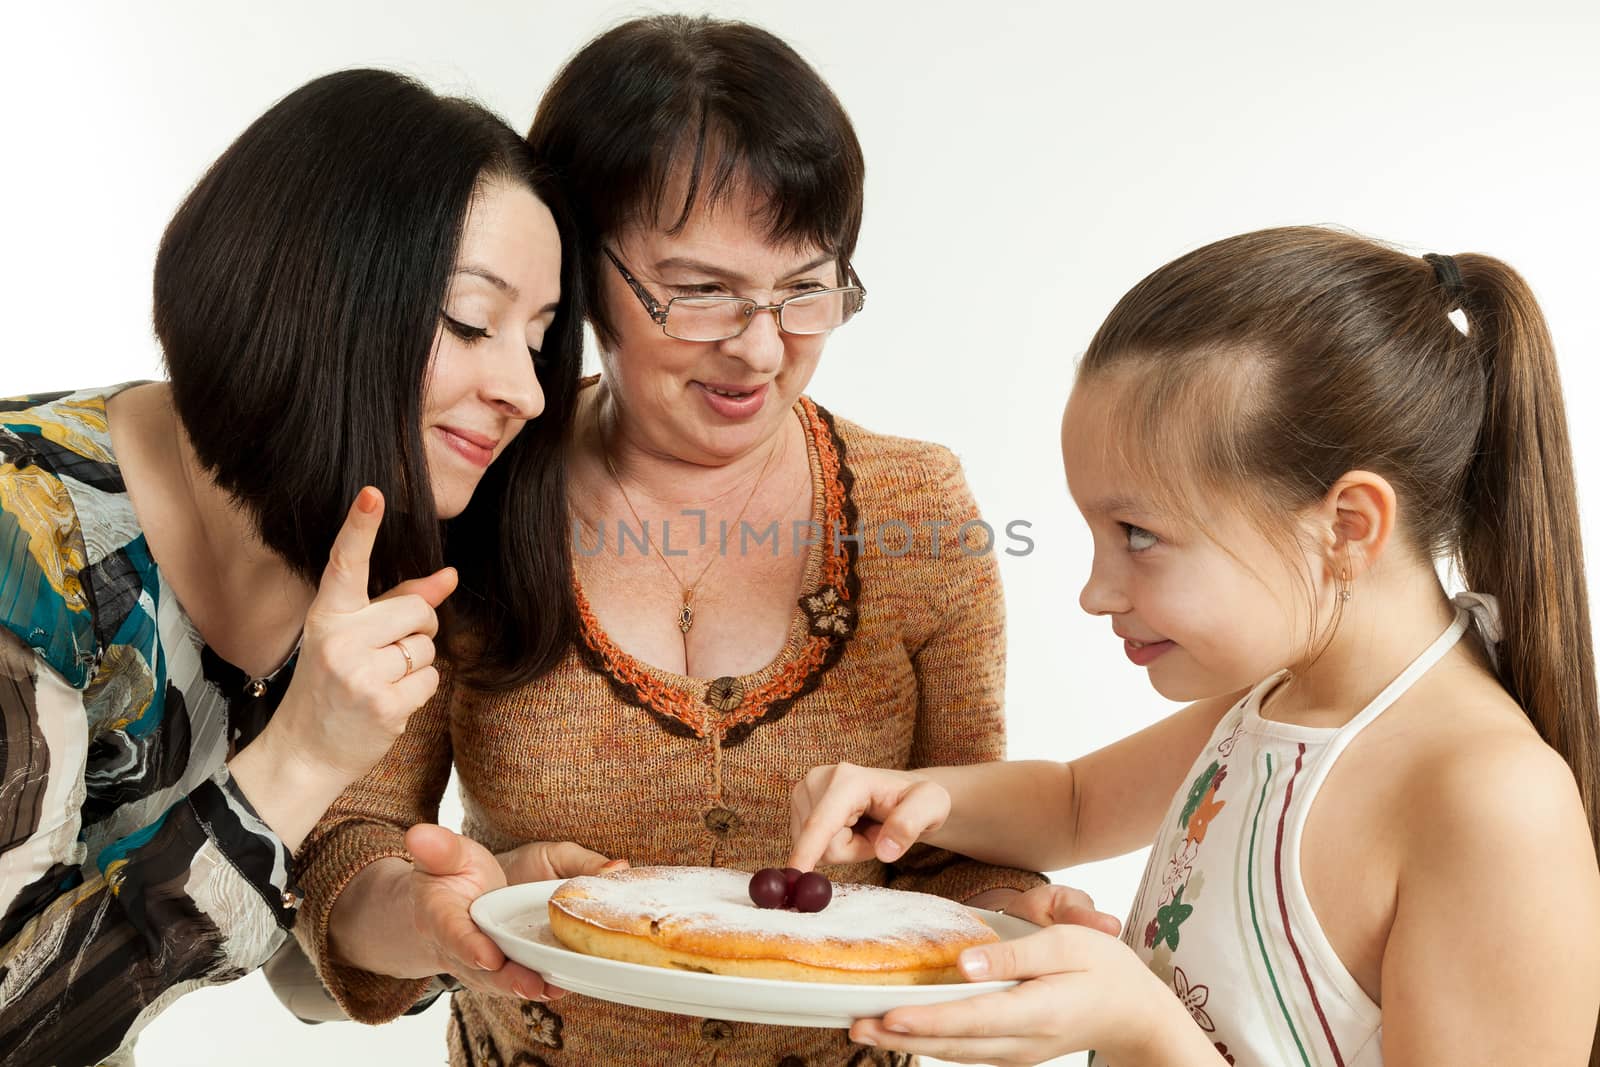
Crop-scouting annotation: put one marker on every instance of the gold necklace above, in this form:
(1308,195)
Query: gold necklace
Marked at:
(686,611)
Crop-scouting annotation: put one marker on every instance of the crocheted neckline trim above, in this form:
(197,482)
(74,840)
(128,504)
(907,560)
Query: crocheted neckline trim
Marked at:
(733,707)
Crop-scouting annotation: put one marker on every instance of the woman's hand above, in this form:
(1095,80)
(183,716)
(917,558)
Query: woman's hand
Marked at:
(1080,989)
(364,666)
(541,861)
(848,814)
(449,872)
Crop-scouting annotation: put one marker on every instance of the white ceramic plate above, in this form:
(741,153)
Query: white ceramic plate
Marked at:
(517,919)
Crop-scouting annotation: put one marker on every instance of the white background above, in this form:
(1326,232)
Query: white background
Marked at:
(1027,163)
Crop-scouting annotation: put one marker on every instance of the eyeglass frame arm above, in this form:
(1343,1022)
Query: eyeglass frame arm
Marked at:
(658,311)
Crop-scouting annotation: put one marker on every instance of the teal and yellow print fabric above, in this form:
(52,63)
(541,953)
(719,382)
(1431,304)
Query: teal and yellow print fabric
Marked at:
(132,868)
(42,554)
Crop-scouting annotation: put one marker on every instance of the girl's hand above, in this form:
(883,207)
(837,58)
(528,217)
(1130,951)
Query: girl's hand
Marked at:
(848,814)
(449,872)
(364,666)
(1047,905)
(1081,989)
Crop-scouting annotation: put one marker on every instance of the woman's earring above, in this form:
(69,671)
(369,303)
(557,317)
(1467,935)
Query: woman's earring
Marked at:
(1344,586)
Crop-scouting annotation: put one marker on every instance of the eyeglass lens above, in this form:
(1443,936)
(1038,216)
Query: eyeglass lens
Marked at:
(717,318)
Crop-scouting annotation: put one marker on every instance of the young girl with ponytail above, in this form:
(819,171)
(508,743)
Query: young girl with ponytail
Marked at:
(1374,825)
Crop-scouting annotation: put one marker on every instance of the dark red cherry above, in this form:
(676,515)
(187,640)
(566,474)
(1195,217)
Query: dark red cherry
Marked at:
(769,888)
(811,892)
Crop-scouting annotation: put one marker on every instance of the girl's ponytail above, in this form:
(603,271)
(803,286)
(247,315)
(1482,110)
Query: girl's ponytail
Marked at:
(1519,523)
(1519,526)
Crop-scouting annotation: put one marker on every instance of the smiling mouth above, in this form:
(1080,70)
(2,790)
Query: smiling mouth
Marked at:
(1134,646)
(476,449)
(727,392)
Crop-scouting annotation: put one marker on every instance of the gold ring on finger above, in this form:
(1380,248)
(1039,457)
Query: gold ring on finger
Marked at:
(410,664)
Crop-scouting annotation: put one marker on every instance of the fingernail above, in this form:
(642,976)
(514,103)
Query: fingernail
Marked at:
(367,500)
(889,849)
(867,1041)
(478,963)
(974,964)
(898,1028)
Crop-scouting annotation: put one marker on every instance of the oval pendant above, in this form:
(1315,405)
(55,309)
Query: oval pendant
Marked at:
(685,617)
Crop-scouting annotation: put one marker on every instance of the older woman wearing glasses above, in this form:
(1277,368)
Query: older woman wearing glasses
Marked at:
(761,586)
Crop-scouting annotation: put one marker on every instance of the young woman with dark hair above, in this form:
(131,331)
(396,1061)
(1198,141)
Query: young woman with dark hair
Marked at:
(220,596)
(718,187)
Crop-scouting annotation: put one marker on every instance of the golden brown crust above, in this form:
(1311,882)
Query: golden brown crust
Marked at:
(604,916)
(629,948)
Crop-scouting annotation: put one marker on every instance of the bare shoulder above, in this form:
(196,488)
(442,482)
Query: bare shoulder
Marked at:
(1481,784)
(1497,908)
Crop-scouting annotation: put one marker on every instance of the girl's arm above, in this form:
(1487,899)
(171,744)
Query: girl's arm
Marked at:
(1494,955)
(1034,814)
(1063,814)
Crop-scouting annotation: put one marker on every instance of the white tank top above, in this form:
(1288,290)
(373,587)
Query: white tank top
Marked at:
(1222,915)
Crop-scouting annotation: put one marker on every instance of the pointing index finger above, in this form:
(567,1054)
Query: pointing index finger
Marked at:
(836,811)
(344,579)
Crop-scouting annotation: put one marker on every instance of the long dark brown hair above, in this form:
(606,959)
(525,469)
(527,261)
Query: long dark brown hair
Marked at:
(298,291)
(1316,352)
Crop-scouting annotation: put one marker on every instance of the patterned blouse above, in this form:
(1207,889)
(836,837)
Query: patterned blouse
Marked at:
(132,869)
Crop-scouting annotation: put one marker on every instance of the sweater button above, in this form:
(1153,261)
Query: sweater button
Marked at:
(721,821)
(724,694)
(716,1030)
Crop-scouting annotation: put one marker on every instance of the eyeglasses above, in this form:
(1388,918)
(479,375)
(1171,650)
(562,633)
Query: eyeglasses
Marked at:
(720,318)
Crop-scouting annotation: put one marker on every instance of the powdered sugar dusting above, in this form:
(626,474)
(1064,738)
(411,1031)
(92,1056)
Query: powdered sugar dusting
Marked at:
(717,900)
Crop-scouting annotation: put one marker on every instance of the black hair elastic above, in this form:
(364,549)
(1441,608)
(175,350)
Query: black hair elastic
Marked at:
(1449,276)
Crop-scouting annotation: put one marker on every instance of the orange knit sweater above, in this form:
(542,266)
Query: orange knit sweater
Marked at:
(895,659)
